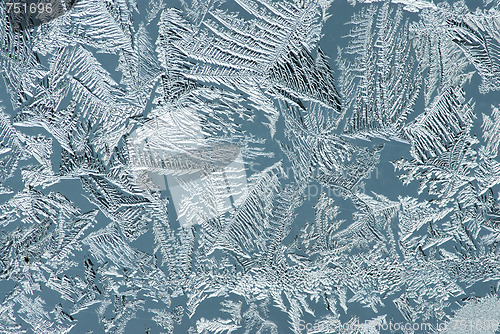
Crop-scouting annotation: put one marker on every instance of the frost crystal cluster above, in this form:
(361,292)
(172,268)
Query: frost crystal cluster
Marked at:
(249,166)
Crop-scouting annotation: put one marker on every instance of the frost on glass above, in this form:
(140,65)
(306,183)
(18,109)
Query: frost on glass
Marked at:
(250,166)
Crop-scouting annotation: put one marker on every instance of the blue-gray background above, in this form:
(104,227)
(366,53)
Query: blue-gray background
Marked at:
(384,182)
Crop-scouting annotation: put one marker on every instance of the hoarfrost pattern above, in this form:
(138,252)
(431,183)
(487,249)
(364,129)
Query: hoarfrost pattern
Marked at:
(157,160)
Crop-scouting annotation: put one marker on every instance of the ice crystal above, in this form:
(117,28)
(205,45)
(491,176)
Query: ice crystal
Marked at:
(225,166)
